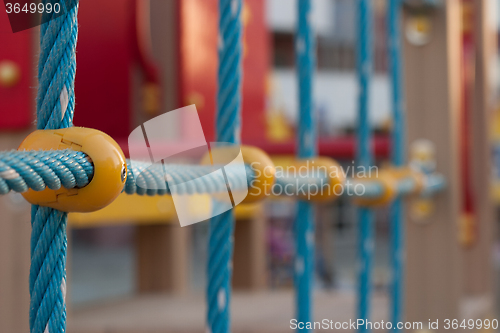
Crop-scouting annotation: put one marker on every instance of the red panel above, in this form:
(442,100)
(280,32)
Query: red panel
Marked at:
(256,69)
(198,61)
(17,103)
(104,60)
(342,147)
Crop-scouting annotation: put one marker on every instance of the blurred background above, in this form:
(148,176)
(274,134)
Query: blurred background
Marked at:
(133,269)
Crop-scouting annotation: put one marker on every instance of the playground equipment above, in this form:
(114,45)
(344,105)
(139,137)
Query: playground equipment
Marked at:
(67,173)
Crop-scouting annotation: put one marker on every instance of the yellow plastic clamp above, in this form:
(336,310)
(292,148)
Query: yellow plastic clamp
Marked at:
(259,161)
(389,181)
(405,172)
(316,165)
(110,169)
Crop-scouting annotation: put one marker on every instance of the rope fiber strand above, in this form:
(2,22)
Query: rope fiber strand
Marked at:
(304,219)
(37,170)
(397,213)
(55,169)
(55,107)
(228,122)
(364,155)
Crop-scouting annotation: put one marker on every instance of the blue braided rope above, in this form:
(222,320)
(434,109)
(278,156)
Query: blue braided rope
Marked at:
(144,180)
(22,170)
(228,124)
(55,107)
(365,216)
(304,219)
(37,170)
(397,215)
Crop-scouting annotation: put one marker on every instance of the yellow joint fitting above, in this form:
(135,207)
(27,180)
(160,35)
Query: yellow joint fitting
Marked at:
(262,166)
(334,172)
(264,176)
(389,181)
(405,172)
(110,169)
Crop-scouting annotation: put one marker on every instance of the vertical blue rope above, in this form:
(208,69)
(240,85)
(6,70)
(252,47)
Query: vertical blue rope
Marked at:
(304,220)
(228,118)
(397,218)
(55,107)
(364,156)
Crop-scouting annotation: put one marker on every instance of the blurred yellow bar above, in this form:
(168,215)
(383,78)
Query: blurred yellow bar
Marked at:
(142,210)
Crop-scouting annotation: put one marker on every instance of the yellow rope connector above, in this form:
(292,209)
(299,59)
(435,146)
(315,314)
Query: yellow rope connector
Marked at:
(262,166)
(389,179)
(322,165)
(405,173)
(389,182)
(110,169)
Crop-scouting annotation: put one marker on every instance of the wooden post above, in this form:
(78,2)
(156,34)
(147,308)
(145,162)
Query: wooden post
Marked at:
(478,260)
(249,259)
(163,250)
(163,258)
(15,230)
(432,79)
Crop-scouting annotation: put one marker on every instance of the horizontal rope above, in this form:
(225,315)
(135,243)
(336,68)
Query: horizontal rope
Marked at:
(21,170)
(144,179)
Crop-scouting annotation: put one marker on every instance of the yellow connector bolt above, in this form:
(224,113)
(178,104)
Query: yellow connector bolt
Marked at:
(110,169)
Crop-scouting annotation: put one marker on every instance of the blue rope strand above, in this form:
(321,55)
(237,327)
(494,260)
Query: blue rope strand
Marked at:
(37,170)
(364,156)
(304,219)
(228,124)
(55,107)
(63,168)
(397,216)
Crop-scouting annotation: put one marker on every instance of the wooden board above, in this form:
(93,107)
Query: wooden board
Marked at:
(15,229)
(432,73)
(478,268)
